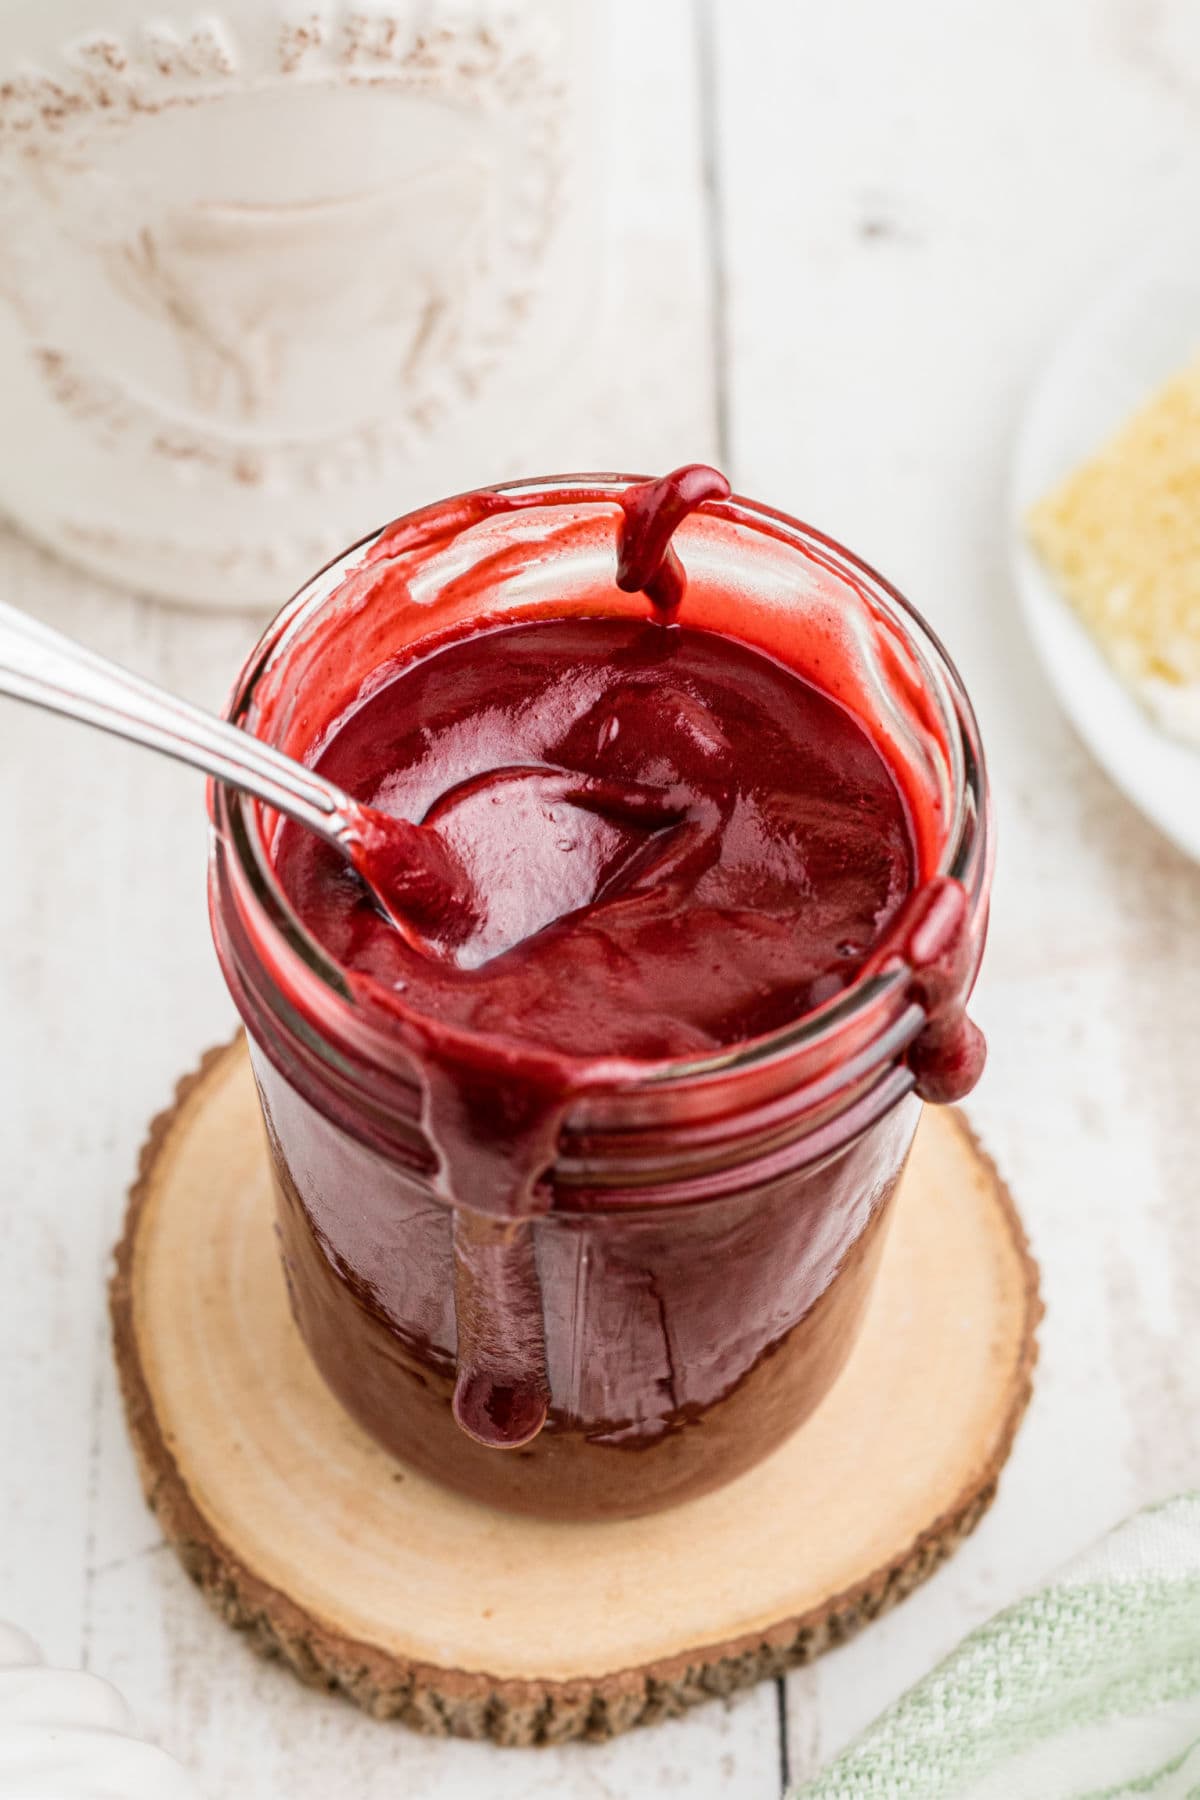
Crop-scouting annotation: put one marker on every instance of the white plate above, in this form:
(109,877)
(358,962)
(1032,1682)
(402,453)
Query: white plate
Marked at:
(1129,342)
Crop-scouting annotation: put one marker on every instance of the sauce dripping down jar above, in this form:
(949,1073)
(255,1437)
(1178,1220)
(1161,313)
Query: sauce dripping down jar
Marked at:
(692,1257)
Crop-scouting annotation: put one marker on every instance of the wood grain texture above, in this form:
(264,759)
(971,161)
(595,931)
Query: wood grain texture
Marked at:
(422,1606)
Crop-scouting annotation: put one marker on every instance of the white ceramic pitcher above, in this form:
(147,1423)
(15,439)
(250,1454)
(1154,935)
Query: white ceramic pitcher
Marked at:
(272,272)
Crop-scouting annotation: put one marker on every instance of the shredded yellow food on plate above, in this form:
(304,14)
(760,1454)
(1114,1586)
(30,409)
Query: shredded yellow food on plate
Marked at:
(1121,537)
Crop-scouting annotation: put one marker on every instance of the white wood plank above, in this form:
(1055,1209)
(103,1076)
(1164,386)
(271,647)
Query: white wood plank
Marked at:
(915,198)
(107,985)
(109,989)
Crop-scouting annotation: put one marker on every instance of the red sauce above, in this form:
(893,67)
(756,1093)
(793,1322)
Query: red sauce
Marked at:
(669,843)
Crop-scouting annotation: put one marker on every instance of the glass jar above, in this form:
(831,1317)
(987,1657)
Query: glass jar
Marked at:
(711,1230)
(267,271)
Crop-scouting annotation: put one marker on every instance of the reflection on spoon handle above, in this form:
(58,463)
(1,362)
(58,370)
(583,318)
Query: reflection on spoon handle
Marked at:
(42,666)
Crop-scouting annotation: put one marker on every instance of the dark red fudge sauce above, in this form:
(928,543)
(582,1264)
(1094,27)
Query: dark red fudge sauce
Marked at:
(669,843)
(653,842)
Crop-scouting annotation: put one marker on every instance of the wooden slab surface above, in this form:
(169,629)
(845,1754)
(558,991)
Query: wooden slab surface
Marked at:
(423,1606)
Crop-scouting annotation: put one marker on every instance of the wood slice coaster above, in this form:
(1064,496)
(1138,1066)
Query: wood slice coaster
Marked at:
(429,1608)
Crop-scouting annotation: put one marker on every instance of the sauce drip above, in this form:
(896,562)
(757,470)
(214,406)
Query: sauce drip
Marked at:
(653,511)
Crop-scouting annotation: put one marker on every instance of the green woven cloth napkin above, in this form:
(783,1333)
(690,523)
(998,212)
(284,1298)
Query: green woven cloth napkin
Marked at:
(1089,1689)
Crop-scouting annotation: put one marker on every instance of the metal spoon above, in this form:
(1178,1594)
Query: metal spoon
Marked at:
(412,874)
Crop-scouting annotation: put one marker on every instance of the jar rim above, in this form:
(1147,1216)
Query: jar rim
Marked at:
(965,854)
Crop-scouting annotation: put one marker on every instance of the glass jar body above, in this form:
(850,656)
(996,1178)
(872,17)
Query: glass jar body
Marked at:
(707,1236)
(683,1342)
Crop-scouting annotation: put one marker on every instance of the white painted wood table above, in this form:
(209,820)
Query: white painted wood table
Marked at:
(840,239)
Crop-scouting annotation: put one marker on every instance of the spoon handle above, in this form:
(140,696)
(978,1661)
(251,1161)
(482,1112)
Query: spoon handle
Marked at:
(42,666)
